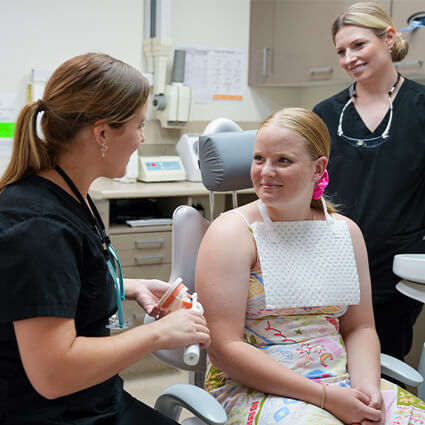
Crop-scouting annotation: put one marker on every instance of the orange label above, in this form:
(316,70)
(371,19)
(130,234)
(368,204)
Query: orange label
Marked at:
(187,305)
(226,97)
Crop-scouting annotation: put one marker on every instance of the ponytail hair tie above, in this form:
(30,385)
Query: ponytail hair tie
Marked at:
(41,105)
(321,185)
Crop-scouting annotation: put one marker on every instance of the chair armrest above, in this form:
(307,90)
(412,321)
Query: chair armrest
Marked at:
(399,370)
(194,399)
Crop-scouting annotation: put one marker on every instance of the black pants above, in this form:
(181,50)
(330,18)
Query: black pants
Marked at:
(394,324)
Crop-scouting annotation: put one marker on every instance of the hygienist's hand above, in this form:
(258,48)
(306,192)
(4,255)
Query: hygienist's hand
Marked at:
(147,292)
(182,328)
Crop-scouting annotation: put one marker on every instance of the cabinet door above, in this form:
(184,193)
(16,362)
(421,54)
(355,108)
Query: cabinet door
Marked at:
(302,50)
(261,42)
(413,64)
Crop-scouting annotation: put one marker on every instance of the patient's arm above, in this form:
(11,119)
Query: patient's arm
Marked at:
(223,267)
(358,329)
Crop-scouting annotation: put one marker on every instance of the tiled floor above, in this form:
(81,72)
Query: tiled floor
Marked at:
(147,387)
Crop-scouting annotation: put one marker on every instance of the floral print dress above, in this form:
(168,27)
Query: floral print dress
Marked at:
(308,341)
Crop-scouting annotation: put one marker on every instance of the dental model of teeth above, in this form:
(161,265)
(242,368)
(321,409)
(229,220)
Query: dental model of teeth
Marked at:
(176,298)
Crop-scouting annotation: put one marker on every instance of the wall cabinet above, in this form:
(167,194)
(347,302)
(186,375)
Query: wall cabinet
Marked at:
(413,64)
(291,42)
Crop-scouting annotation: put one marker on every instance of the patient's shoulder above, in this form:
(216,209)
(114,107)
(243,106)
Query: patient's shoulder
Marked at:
(244,215)
(352,225)
(231,229)
(355,232)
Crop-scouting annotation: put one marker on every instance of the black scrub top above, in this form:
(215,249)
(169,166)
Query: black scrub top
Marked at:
(381,188)
(51,264)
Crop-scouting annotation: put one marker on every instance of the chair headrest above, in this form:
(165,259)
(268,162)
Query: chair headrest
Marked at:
(225,160)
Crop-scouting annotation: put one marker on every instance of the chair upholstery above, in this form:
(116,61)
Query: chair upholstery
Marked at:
(397,369)
(207,410)
(225,160)
(189,228)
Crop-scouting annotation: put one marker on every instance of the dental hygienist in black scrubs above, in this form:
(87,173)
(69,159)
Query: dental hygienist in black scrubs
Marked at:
(377,162)
(59,286)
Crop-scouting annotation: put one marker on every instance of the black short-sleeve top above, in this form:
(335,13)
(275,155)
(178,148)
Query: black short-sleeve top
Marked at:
(382,187)
(51,264)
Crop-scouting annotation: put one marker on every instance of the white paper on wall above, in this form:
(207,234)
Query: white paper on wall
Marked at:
(215,74)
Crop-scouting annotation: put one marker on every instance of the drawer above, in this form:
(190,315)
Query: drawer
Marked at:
(141,240)
(160,271)
(142,249)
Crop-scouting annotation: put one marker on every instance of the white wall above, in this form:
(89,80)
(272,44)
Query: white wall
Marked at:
(42,34)
(225,23)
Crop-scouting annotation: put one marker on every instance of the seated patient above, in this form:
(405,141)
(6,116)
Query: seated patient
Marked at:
(285,285)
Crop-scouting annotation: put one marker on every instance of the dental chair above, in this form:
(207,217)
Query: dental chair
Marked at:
(225,160)
(189,228)
(221,171)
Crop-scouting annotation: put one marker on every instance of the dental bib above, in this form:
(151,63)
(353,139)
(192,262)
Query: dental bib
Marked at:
(306,263)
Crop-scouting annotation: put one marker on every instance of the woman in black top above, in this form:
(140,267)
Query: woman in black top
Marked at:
(58,363)
(377,164)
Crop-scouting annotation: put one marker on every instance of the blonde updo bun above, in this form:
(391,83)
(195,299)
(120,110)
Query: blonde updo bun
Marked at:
(400,49)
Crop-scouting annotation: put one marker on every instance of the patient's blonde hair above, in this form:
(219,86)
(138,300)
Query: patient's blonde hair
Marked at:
(315,132)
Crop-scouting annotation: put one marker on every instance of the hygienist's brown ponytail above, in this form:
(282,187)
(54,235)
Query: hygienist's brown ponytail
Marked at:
(81,91)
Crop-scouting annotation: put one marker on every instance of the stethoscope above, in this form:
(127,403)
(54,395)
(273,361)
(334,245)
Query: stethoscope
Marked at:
(109,252)
(369,142)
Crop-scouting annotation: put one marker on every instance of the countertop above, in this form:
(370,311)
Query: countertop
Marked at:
(104,188)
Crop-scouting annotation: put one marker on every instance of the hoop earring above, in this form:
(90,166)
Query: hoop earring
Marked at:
(103,150)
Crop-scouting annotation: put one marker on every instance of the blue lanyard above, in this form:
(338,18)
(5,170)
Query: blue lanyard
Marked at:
(119,288)
(109,253)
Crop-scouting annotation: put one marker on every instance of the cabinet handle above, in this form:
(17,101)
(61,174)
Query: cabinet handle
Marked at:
(266,52)
(154,242)
(149,258)
(321,70)
(408,63)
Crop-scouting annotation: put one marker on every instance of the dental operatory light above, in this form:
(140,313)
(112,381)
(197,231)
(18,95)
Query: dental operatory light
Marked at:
(171,102)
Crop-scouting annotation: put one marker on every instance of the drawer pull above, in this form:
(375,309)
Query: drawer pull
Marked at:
(408,63)
(266,52)
(149,258)
(321,70)
(148,243)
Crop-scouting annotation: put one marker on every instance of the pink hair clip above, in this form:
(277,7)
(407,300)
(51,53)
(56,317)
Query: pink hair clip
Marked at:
(321,185)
